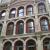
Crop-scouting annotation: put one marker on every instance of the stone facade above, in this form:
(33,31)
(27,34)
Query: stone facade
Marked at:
(38,36)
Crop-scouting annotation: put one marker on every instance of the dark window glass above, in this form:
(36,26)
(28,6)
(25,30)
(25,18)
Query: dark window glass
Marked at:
(18,45)
(10,29)
(46,44)
(0,28)
(12,13)
(20,27)
(41,8)
(31,45)
(7,46)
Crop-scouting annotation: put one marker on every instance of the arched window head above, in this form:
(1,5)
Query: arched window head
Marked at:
(41,8)
(20,27)
(10,28)
(18,45)
(0,28)
(29,10)
(30,26)
(30,45)
(7,46)
(3,13)
(21,11)
(44,24)
(12,13)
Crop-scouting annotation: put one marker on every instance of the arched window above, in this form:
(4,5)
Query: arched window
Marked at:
(29,10)
(21,11)
(20,27)
(7,46)
(3,13)
(12,13)
(46,44)
(18,45)
(0,28)
(30,26)
(10,28)
(30,45)
(41,8)
(44,24)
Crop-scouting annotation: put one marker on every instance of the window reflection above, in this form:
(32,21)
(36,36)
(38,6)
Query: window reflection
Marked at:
(29,10)
(41,8)
(44,25)
(30,26)
(21,11)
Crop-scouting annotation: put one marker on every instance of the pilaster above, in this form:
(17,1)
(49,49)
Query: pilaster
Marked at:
(39,44)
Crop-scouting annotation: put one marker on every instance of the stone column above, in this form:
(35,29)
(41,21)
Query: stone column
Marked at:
(14,29)
(3,33)
(39,44)
(12,47)
(1,44)
(25,11)
(24,47)
(24,27)
(16,13)
(7,14)
(37,24)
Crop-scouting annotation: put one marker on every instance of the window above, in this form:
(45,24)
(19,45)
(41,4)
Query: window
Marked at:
(10,29)
(46,44)
(0,28)
(21,11)
(44,25)
(41,8)
(3,13)
(12,13)
(7,46)
(20,27)
(30,26)
(18,45)
(29,10)
(30,45)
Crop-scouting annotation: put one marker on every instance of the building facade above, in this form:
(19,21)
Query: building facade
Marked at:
(25,25)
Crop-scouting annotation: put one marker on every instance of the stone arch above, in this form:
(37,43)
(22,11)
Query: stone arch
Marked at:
(18,44)
(30,44)
(46,42)
(29,39)
(7,45)
(28,19)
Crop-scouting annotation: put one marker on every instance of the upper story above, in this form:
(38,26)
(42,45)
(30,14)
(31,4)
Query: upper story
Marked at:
(24,8)
(25,12)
